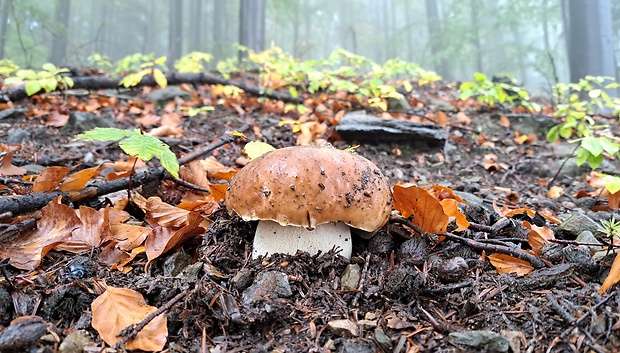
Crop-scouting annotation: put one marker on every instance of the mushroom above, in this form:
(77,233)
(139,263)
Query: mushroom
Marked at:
(307,197)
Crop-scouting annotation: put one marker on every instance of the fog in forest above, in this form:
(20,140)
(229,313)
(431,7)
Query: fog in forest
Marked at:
(538,42)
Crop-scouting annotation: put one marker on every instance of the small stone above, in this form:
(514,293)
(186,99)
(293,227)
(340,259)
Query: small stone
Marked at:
(83,121)
(190,273)
(21,336)
(17,136)
(367,323)
(577,224)
(175,263)
(351,277)
(383,340)
(343,328)
(589,238)
(481,340)
(75,342)
(452,270)
(243,279)
(169,93)
(266,287)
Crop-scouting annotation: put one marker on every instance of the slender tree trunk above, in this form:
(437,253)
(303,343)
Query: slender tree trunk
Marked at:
(252,25)
(175,31)
(219,28)
(590,51)
(196,20)
(4,20)
(545,26)
(59,43)
(296,24)
(434,31)
(475,5)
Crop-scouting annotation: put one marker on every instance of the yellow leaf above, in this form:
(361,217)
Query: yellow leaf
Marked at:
(160,78)
(118,308)
(613,277)
(255,149)
(508,264)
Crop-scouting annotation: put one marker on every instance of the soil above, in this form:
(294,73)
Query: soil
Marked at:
(414,294)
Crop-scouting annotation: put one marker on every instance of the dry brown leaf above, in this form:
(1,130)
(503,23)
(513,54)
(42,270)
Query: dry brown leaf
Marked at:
(555,192)
(490,163)
(218,191)
(613,277)
(504,121)
(118,308)
(539,236)
(441,192)
(164,214)
(164,239)
(49,178)
(426,210)
(463,118)
(128,165)
(451,210)
(55,226)
(217,170)
(508,264)
(78,180)
(89,235)
(6,168)
(129,236)
(56,119)
(613,201)
(148,120)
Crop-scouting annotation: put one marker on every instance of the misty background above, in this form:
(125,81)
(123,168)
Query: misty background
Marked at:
(539,42)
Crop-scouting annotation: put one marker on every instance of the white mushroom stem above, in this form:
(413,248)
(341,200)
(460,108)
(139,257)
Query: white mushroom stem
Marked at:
(271,238)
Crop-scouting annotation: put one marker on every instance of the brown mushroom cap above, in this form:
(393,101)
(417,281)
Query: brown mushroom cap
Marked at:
(307,186)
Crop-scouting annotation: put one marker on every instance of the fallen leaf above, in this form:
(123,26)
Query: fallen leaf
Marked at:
(49,178)
(118,308)
(6,168)
(164,239)
(613,277)
(613,200)
(504,121)
(164,214)
(56,224)
(539,236)
(426,210)
(555,192)
(217,170)
(56,119)
(255,149)
(88,235)
(451,210)
(129,236)
(508,264)
(463,118)
(78,180)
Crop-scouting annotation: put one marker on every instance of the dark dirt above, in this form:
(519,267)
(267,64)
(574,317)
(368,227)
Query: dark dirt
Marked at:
(413,295)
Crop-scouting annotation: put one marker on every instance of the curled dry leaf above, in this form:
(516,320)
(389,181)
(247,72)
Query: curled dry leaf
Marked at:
(426,210)
(6,168)
(49,178)
(118,308)
(613,277)
(88,235)
(451,210)
(539,236)
(164,239)
(78,180)
(508,264)
(55,226)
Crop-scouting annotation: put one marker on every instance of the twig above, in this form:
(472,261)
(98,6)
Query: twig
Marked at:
(562,165)
(360,286)
(132,331)
(586,315)
(227,138)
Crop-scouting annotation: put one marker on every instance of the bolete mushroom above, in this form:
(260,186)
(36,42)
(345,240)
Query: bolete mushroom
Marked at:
(307,197)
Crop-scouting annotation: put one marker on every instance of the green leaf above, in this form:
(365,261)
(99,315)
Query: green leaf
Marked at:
(106,134)
(49,67)
(609,146)
(480,77)
(595,93)
(160,78)
(49,84)
(169,161)
(582,156)
(293,91)
(611,182)
(593,145)
(32,87)
(554,133)
(255,149)
(595,161)
(144,147)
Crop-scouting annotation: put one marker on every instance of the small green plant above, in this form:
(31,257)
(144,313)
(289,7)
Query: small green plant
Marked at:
(49,79)
(579,126)
(493,93)
(153,67)
(192,112)
(8,68)
(193,62)
(610,228)
(136,144)
(99,61)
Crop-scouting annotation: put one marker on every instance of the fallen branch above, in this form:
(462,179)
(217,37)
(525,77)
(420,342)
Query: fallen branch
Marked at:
(97,82)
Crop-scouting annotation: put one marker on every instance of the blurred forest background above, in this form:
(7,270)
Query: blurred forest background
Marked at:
(538,42)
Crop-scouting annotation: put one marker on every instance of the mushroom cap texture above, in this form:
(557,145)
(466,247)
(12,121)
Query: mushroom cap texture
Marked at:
(306,186)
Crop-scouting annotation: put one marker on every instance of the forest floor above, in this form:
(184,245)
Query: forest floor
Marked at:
(400,292)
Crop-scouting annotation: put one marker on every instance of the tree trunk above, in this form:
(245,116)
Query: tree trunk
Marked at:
(252,26)
(219,29)
(590,50)
(4,20)
(196,19)
(434,31)
(474,6)
(59,43)
(175,31)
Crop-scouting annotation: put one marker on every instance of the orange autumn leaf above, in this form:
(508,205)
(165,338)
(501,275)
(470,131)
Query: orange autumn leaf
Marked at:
(88,236)
(539,236)
(6,168)
(613,277)
(56,224)
(504,121)
(441,192)
(49,178)
(118,308)
(217,170)
(555,192)
(129,164)
(508,264)
(164,239)
(613,201)
(219,191)
(128,236)
(463,118)
(164,214)
(78,180)
(56,119)
(451,210)
(426,210)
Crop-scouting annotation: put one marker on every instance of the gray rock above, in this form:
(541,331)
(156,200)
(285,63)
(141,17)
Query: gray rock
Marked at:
(351,277)
(588,237)
(17,136)
(383,340)
(75,342)
(168,93)
(266,287)
(17,113)
(343,327)
(33,168)
(243,279)
(569,169)
(398,104)
(190,273)
(21,336)
(577,224)
(443,105)
(175,263)
(481,339)
(530,123)
(83,121)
